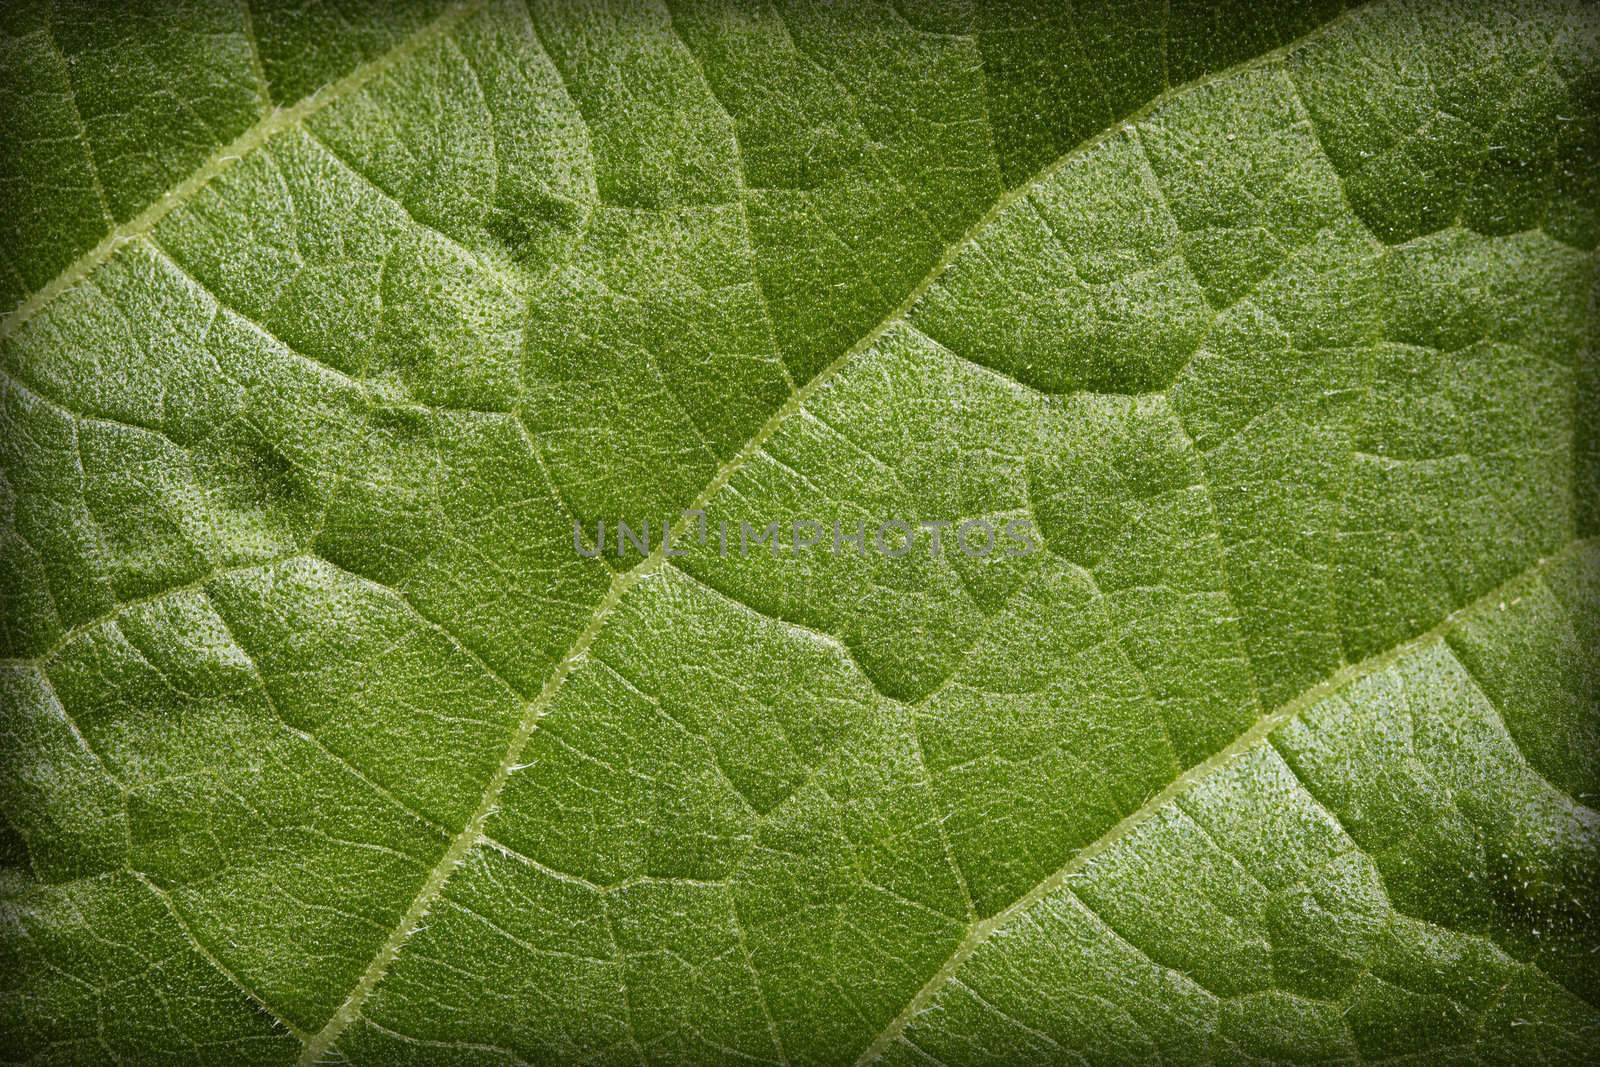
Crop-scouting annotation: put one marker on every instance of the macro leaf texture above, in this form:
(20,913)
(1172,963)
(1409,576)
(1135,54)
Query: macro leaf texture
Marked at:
(326,325)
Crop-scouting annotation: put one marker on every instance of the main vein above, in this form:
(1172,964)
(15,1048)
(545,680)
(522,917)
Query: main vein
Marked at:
(470,834)
(350,1008)
(281,119)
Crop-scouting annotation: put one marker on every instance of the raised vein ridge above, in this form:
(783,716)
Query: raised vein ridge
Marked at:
(275,122)
(980,931)
(349,1009)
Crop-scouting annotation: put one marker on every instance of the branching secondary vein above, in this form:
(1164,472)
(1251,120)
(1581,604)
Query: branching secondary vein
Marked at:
(1258,732)
(473,831)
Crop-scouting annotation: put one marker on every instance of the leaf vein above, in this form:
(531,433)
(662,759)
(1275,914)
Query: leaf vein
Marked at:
(1257,733)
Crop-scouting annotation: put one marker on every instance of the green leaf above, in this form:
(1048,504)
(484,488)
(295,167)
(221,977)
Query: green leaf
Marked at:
(1274,323)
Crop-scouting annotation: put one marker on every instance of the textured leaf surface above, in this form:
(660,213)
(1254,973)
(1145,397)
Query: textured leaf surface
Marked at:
(327,322)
